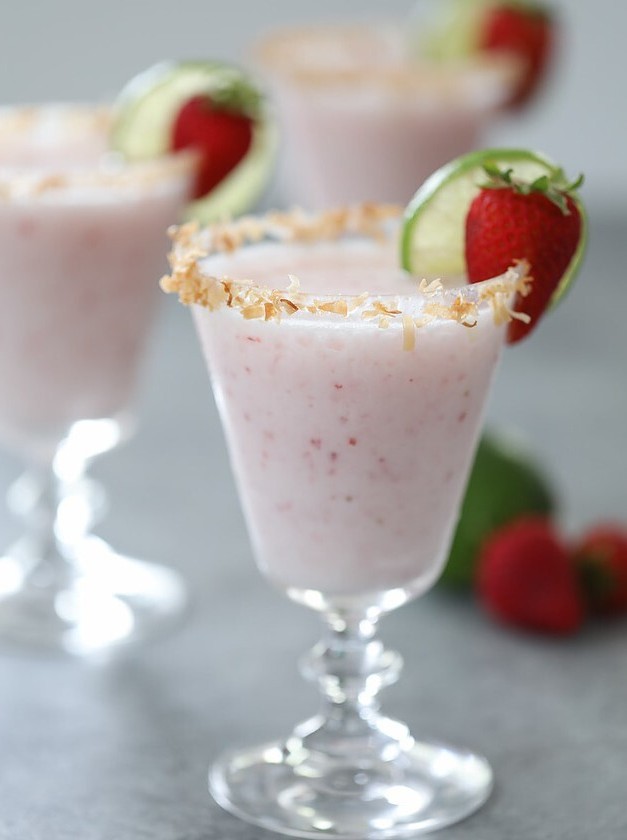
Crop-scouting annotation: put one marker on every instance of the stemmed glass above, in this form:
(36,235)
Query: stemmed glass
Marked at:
(351,420)
(364,118)
(82,241)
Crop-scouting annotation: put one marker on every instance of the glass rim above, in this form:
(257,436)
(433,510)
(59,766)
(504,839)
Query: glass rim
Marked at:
(478,81)
(427,301)
(23,182)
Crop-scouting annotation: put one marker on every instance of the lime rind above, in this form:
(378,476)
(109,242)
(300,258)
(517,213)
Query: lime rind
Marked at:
(578,257)
(433,233)
(146,111)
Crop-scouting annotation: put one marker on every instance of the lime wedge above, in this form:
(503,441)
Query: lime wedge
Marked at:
(146,110)
(454,32)
(433,232)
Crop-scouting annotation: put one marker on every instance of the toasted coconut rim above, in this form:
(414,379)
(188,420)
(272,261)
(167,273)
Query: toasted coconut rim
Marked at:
(425,302)
(23,182)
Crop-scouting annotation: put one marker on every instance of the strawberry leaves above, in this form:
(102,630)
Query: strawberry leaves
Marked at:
(555,187)
(237,96)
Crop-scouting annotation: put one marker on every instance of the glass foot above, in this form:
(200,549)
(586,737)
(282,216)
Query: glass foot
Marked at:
(106,602)
(427,787)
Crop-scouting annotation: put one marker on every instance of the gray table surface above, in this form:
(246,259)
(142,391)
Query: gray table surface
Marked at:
(121,752)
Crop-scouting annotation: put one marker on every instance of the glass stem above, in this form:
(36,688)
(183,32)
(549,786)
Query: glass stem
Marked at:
(43,502)
(350,666)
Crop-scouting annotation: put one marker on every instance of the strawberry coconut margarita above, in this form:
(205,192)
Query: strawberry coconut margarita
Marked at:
(82,241)
(351,393)
(368,111)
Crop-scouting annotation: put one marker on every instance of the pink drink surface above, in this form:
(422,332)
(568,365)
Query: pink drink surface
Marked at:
(79,269)
(363,120)
(351,454)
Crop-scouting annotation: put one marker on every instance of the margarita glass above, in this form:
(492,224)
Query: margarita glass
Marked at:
(351,420)
(82,239)
(365,118)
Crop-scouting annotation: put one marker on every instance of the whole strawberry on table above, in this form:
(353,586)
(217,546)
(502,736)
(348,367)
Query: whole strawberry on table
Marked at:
(600,556)
(526,578)
(532,577)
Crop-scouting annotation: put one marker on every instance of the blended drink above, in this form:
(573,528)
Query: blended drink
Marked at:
(351,395)
(81,242)
(364,117)
(82,239)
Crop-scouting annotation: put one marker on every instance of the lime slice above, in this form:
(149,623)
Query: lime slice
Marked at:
(454,31)
(147,108)
(433,232)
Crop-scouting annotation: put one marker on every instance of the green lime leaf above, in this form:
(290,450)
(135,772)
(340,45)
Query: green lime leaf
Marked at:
(505,483)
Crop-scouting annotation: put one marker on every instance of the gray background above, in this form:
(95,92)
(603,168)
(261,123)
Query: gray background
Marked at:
(81,49)
(120,753)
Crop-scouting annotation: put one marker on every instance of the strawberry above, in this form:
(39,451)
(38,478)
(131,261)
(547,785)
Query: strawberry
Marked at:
(219,131)
(510,220)
(601,556)
(526,578)
(526,30)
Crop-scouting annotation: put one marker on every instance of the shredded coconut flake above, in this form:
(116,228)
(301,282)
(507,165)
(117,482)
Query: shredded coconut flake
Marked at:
(193,286)
(430,288)
(409,333)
